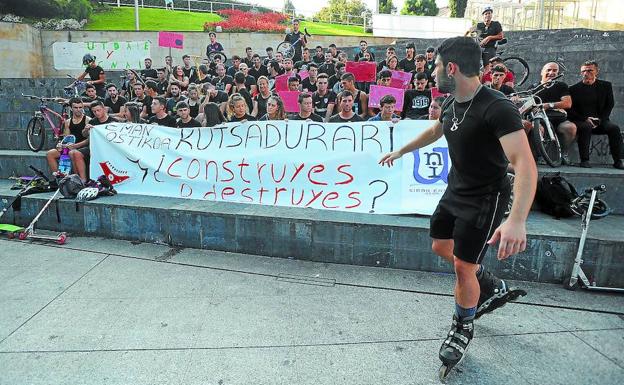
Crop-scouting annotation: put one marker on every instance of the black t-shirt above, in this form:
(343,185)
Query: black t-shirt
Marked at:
(318,59)
(493,29)
(250,81)
(292,38)
(115,107)
(191,74)
(479,165)
(76,129)
(321,102)
(94,74)
(416,103)
(219,98)
(167,121)
(247,96)
(245,117)
(327,68)
(307,85)
(256,73)
(332,81)
(338,119)
(506,90)
(147,102)
(162,87)
(149,73)
(262,102)
(302,65)
(220,83)
(554,93)
(313,117)
(190,123)
(357,107)
(408,65)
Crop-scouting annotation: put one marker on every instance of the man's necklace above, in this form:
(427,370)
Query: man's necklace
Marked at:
(457,122)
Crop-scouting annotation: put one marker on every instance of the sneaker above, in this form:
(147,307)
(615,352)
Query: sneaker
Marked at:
(619,164)
(585,164)
(565,160)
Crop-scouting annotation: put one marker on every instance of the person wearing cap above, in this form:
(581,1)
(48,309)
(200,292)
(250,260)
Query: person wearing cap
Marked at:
(297,37)
(490,32)
(214,45)
(408,64)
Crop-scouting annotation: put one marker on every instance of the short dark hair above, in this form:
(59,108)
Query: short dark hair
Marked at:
(463,51)
(391,49)
(138,84)
(109,85)
(97,103)
(348,76)
(591,63)
(346,93)
(185,56)
(332,45)
(161,70)
(312,65)
(420,76)
(386,99)
(255,55)
(293,79)
(212,34)
(182,104)
(74,100)
(89,86)
(235,57)
(420,57)
(499,69)
(322,75)
(430,49)
(247,49)
(239,77)
(363,41)
(162,101)
(269,49)
(384,74)
(303,95)
(150,84)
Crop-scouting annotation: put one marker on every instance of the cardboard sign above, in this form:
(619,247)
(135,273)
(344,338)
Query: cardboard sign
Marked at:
(365,71)
(290,99)
(378,92)
(171,40)
(281,83)
(400,79)
(435,93)
(303,75)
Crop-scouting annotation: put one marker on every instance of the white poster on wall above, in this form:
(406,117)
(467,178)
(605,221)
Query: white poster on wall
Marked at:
(111,56)
(299,164)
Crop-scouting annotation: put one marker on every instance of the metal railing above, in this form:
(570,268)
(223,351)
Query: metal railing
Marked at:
(214,6)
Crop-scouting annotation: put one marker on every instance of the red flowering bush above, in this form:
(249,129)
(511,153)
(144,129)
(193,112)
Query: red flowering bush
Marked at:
(241,21)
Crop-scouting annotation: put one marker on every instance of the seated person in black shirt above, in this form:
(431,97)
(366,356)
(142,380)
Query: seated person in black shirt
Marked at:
(275,109)
(306,109)
(144,99)
(309,84)
(80,157)
(90,97)
(114,101)
(148,73)
(390,51)
(250,81)
(237,110)
(319,55)
(345,113)
(302,65)
(363,50)
(490,32)
(162,82)
(324,99)
(498,80)
(161,117)
(132,113)
(96,74)
(416,102)
(222,81)
(257,69)
(328,67)
(72,126)
(185,120)
(334,51)
(408,64)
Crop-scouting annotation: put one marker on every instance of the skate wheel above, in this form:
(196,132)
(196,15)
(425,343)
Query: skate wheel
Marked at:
(61,239)
(566,285)
(444,372)
(22,236)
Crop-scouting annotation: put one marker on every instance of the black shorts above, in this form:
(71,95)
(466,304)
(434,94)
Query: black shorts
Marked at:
(469,221)
(556,118)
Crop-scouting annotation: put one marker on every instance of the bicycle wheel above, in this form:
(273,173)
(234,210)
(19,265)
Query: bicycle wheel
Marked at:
(549,148)
(35,134)
(519,67)
(580,206)
(286,49)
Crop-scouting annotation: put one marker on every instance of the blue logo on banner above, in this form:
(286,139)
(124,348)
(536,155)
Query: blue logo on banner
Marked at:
(436,163)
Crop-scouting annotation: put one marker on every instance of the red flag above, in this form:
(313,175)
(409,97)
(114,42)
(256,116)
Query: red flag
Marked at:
(364,71)
(290,99)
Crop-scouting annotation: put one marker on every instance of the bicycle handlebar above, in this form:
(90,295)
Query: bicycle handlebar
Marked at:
(538,88)
(599,188)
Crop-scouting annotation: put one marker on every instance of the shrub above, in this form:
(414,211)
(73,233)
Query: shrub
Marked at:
(240,21)
(60,24)
(77,9)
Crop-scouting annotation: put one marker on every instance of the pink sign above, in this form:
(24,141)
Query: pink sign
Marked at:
(401,79)
(364,71)
(303,74)
(290,99)
(281,83)
(435,93)
(171,40)
(378,92)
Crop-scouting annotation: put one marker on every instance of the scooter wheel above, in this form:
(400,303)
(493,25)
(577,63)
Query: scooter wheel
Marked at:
(22,235)
(61,239)
(566,285)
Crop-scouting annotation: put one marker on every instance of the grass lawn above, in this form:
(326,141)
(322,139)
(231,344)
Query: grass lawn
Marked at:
(122,19)
(150,19)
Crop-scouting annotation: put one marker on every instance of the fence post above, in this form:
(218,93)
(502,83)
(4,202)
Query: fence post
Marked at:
(189,5)
(211,7)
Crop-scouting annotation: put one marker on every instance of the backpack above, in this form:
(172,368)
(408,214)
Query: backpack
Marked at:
(70,186)
(554,195)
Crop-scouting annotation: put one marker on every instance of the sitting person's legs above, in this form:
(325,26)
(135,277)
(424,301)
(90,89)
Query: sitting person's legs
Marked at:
(80,161)
(53,156)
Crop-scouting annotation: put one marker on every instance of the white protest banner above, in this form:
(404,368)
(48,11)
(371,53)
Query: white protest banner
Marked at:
(425,171)
(117,55)
(295,163)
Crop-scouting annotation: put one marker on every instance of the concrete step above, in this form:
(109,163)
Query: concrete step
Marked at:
(16,162)
(16,139)
(324,236)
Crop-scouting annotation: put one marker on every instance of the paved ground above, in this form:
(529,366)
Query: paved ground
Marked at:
(124,313)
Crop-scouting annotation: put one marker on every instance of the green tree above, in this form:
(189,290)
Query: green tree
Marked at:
(386,6)
(420,8)
(344,11)
(458,7)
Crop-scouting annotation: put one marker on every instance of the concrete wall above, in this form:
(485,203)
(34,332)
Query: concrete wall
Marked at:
(20,51)
(194,43)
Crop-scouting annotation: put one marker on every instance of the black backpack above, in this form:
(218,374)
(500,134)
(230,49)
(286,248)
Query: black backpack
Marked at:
(554,195)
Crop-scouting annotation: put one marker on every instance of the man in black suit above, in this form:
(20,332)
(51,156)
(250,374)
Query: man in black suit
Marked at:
(592,102)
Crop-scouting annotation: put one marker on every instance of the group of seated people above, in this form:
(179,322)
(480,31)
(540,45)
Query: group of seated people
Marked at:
(189,95)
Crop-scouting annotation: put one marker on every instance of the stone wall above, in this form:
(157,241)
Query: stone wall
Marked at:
(20,48)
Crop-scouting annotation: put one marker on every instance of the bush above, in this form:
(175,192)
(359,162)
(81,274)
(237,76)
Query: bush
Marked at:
(239,21)
(57,24)
(32,8)
(77,9)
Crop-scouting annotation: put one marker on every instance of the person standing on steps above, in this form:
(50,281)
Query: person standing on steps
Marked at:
(483,129)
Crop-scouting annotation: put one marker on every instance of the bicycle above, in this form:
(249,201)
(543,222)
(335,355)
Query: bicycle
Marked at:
(75,89)
(35,130)
(543,137)
(515,64)
(580,205)
(287,49)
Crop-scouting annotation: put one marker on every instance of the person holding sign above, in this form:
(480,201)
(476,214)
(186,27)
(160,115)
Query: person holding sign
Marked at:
(345,113)
(483,130)
(387,106)
(306,109)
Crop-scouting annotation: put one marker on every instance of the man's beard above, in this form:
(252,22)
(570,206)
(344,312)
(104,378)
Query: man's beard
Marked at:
(446,84)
